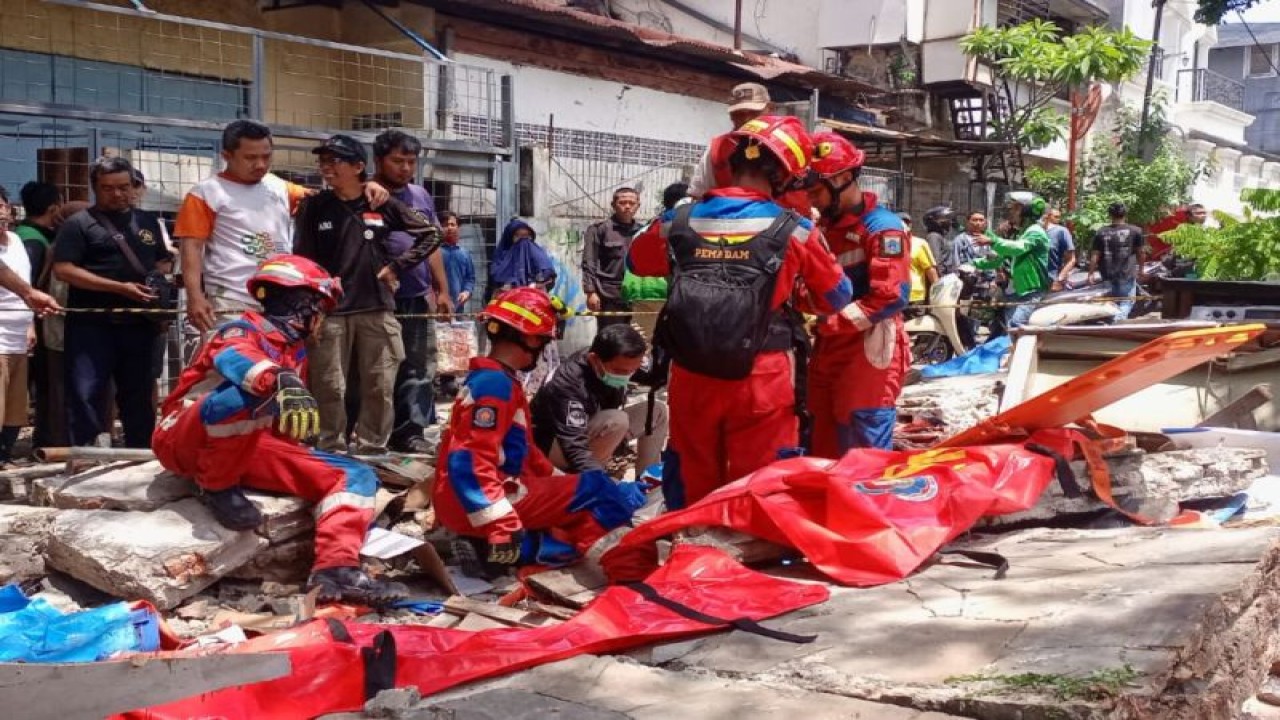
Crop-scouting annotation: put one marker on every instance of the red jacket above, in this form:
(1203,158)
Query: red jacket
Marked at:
(488,441)
(874,249)
(722,212)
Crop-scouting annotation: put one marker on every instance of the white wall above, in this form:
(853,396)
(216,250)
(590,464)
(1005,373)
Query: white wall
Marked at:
(791,25)
(584,103)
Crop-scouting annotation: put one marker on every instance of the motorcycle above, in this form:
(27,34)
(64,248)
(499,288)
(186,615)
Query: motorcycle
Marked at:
(948,326)
(1079,302)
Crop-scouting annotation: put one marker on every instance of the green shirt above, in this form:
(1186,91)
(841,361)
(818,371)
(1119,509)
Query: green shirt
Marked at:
(636,288)
(1029,255)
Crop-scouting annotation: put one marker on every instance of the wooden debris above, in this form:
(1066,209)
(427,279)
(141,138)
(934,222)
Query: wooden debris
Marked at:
(433,567)
(555,611)
(475,621)
(459,605)
(573,586)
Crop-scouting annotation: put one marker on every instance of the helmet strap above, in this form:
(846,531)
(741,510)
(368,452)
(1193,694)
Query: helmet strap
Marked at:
(833,208)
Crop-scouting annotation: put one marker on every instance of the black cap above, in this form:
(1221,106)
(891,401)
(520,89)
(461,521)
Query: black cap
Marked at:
(343,147)
(1117,210)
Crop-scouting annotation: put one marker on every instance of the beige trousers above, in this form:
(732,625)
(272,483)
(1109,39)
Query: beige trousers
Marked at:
(13,384)
(608,428)
(373,340)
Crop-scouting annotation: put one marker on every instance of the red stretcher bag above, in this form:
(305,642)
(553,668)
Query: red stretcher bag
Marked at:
(872,517)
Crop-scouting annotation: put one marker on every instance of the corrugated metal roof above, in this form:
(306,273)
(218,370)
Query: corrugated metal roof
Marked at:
(765,67)
(1236,35)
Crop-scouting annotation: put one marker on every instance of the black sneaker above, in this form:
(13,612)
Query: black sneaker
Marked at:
(472,555)
(351,584)
(233,509)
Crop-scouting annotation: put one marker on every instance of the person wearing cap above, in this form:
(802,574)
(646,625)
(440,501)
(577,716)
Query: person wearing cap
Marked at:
(339,229)
(748,102)
(1118,252)
(235,219)
(737,261)
(1026,255)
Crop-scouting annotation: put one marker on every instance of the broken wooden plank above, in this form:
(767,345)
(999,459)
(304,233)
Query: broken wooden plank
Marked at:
(89,691)
(476,621)
(432,566)
(1022,371)
(555,611)
(573,586)
(1239,412)
(459,605)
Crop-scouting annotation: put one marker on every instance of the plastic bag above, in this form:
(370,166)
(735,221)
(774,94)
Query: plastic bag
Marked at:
(456,344)
(35,631)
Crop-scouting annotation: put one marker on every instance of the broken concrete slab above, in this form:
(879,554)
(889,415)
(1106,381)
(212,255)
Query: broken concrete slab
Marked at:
(287,562)
(23,531)
(163,556)
(1136,622)
(283,516)
(117,486)
(643,693)
(1153,484)
(956,403)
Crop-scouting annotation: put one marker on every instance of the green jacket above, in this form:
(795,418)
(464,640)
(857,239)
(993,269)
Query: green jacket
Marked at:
(1029,255)
(636,288)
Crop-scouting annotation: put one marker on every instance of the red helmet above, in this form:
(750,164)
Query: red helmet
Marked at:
(524,309)
(296,271)
(833,153)
(785,137)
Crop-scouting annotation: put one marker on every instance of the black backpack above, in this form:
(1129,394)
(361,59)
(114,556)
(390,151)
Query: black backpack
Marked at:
(718,318)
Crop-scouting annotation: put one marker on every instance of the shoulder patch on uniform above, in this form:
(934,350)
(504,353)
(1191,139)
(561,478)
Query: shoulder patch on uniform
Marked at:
(575,415)
(891,245)
(235,331)
(484,417)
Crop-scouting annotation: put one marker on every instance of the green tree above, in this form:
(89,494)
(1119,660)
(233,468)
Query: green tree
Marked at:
(1245,248)
(1211,12)
(1112,170)
(1034,62)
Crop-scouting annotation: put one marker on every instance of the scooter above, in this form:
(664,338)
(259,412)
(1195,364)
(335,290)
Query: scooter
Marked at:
(1078,303)
(946,328)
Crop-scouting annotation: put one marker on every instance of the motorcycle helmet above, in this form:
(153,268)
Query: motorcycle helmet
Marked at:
(939,219)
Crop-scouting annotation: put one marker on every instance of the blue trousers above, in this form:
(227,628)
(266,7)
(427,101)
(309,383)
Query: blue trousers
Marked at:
(414,396)
(100,352)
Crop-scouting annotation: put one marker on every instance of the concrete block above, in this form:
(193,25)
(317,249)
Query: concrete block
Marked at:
(287,562)
(117,486)
(163,556)
(283,516)
(23,531)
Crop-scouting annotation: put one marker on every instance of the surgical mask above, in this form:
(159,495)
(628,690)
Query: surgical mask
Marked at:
(618,382)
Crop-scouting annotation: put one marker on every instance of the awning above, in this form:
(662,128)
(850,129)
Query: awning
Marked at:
(882,144)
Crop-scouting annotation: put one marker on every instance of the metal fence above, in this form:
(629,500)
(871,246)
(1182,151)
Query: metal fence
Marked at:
(79,80)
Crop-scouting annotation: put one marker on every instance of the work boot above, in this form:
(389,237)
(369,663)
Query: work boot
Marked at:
(233,509)
(472,555)
(351,584)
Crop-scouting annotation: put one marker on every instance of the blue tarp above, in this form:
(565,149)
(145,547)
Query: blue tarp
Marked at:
(35,631)
(984,358)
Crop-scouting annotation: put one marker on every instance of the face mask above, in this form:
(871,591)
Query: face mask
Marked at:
(618,382)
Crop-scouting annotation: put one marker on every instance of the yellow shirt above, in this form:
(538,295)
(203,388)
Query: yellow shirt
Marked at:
(921,261)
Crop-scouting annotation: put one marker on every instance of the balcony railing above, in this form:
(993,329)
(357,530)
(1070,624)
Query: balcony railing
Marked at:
(1200,85)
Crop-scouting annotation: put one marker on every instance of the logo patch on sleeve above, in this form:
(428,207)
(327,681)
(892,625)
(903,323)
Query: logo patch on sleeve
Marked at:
(576,416)
(234,331)
(891,246)
(484,417)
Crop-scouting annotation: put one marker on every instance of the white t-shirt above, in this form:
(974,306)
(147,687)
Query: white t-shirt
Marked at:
(13,325)
(241,225)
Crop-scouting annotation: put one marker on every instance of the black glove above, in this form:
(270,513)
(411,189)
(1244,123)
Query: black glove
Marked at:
(299,412)
(506,551)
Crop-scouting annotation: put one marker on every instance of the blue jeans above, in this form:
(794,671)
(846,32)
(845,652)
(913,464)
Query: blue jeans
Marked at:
(1124,288)
(1018,315)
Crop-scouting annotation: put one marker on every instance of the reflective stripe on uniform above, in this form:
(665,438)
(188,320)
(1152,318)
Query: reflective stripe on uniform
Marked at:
(238,427)
(851,257)
(251,377)
(343,499)
(496,511)
(855,314)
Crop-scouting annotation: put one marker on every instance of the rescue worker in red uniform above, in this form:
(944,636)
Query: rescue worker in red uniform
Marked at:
(241,412)
(728,326)
(860,354)
(494,487)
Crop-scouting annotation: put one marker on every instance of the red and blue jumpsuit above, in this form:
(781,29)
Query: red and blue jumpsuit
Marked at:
(492,481)
(861,354)
(218,428)
(723,429)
